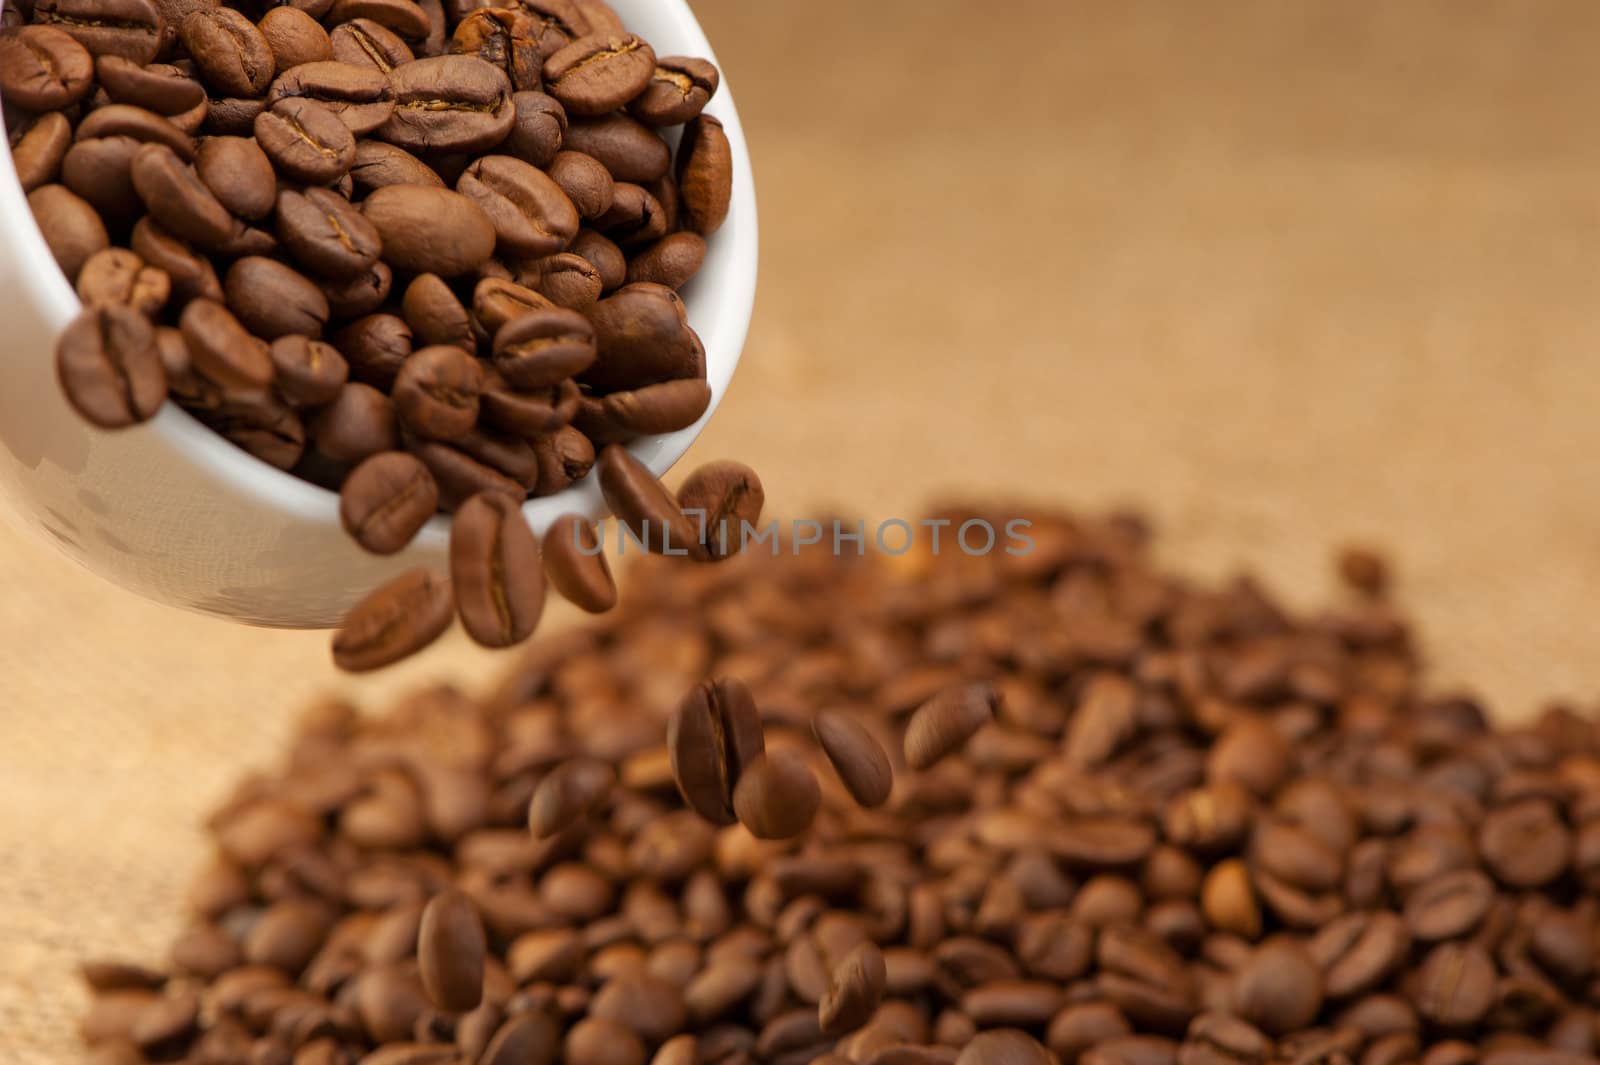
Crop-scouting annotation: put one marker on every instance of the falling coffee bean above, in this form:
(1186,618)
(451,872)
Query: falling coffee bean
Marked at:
(395,621)
(576,565)
(776,796)
(711,737)
(450,952)
(947,721)
(858,758)
(496,570)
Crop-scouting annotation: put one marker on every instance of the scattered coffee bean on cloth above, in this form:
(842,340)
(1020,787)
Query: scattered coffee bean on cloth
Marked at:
(416,252)
(1168,823)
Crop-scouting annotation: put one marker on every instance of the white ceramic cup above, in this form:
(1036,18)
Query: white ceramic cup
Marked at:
(174,512)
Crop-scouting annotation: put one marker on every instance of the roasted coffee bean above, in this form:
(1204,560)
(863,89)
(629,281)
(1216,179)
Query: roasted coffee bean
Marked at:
(428,230)
(160,87)
(1003,1046)
(453,103)
(116,275)
(564,279)
(530,213)
(130,29)
(854,991)
(192,275)
(496,302)
(643,337)
(946,722)
(360,95)
(436,392)
(44,69)
(537,131)
(1455,985)
(327,234)
(496,570)
(239,175)
(504,452)
(1359,951)
(629,149)
(378,164)
(294,37)
(146,127)
(100,170)
(724,498)
(360,422)
(109,367)
(177,199)
(398,619)
(705,175)
(460,476)
(223,352)
(636,218)
(576,566)
(274,300)
(678,90)
(645,507)
(261,424)
(596,75)
(364,43)
(535,415)
(404,17)
(360,294)
(1449,905)
(233,57)
(565,458)
(38,153)
(714,733)
(540,349)
(776,795)
(233,116)
(1525,844)
(857,757)
(306,372)
(450,952)
(376,346)
(586,183)
(603,254)
(71,228)
(671,261)
(504,38)
(568,794)
(435,315)
(1279,989)
(306,141)
(386,501)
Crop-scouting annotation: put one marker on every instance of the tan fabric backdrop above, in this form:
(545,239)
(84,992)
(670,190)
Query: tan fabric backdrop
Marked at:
(1284,273)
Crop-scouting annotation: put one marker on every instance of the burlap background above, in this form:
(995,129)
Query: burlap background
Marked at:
(1284,273)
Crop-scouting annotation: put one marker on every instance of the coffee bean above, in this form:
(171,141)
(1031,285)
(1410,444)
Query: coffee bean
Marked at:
(131,29)
(436,392)
(503,38)
(530,213)
(239,175)
(386,500)
(71,228)
(223,352)
(360,294)
(857,757)
(233,116)
(306,372)
(723,498)
(177,199)
(712,735)
(454,103)
(260,423)
(44,69)
(364,43)
(450,952)
(435,315)
(576,566)
(854,991)
(496,569)
(109,367)
(159,87)
(643,337)
(705,175)
(564,279)
(1279,989)
(679,90)
(360,96)
(273,300)
(565,455)
(233,57)
(1003,1046)
(527,1037)
(100,170)
(306,141)
(116,275)
(460,476)
(1525,844)
(294,37)
(636,218)
(326,233)
(1449,905)
(38,153)
(586,183)
(644,506)
(604,255)
(568,794)
(540,349)
(378,164)
(946,722)
(1359,951)
(627,148)
(404,17)
(595,75)
(192,275)
(359,423)
(538,129)
(1455,985)
(399,619)
(410,219)
(776,796)
(671,261)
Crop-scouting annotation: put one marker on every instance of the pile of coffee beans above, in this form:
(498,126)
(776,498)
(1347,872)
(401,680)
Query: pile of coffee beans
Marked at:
(1070,809)
(419,251)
